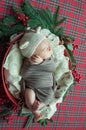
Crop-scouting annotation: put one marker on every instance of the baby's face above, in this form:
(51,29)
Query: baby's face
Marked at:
(44,50)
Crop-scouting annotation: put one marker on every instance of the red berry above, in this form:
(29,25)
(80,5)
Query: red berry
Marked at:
(75,46)
(23,19)
(76,75)
(25,24)
(19,17)
(26,18)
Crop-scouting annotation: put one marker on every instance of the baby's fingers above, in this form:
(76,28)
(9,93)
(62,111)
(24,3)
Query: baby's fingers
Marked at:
(38,59)
(35,59)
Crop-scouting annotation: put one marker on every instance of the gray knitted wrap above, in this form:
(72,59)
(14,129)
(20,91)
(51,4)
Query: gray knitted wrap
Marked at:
(40,78)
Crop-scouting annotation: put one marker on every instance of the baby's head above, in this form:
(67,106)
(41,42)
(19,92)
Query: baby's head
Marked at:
(35,43)
(43,50)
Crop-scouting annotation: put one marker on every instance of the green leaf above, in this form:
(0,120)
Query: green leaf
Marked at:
(69,89)
(70,46)
(29,120)
(8,31)
(19,27)
(16,29)
(10,20)
(1,34)
(4,28)
(43,122)
(65,95)
(6,112)
(74,83)
(71,56)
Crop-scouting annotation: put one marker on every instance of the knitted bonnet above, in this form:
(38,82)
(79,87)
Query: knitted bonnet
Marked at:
(30,41)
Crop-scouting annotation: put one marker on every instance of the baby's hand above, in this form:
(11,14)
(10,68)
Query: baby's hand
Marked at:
(35,59)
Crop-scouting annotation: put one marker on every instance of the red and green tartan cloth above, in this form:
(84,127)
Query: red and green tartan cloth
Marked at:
(71,114)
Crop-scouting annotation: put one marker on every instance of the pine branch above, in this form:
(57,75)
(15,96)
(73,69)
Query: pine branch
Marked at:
(29,120)
(18,28)
(29,10)
(56,15)
(49,15)
(44,18)
(10,20)
(33,23)
(44,122)
(6,112)
(5,29)
(17,9)
(60,21)
(59,32)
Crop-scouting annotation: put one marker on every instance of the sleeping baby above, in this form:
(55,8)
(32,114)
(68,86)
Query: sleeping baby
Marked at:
(37,71)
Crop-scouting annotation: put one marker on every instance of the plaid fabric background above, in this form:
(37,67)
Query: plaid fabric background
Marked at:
(71,114)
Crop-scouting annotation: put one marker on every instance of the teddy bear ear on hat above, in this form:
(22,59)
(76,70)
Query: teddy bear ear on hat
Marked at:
(38,30)
(23,46)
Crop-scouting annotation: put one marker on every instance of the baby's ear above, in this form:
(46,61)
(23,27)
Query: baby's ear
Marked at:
(24,45)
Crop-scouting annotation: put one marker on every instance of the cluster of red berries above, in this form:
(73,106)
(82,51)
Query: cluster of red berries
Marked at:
(77,76)
(75,72)
(23,18)
(75,47)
